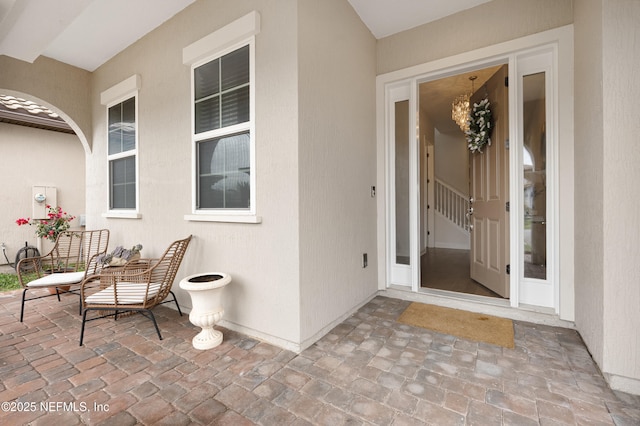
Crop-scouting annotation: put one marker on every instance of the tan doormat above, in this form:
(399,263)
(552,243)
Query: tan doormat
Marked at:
(469,325)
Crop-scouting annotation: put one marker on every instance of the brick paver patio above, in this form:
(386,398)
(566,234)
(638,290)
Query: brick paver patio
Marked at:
(368,370)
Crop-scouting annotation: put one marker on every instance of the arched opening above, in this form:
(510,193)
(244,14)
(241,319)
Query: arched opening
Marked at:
(63,115)
(39,154)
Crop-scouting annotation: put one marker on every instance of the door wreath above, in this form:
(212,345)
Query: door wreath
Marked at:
(480,126)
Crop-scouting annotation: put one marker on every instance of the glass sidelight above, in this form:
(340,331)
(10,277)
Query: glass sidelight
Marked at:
(402,183)
(402,222)
(534,176)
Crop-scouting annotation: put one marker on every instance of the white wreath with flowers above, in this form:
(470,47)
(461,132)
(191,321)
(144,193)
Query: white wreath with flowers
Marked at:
(480,126)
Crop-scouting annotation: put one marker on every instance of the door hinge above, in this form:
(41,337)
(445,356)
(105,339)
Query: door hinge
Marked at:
(507,206)
(506,82)
(508,269)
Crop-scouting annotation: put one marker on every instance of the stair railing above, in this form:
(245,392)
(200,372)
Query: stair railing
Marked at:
(452,204)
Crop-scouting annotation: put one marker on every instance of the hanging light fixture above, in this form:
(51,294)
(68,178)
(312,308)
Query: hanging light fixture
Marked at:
(460,108)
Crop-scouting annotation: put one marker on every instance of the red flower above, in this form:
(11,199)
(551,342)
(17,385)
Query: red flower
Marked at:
(57,222)
(22,221)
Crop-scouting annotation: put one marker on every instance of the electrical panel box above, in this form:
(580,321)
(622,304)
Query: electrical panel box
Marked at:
(41,197)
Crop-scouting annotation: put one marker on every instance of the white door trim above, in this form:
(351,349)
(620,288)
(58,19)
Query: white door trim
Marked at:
(536,292)
(506,52)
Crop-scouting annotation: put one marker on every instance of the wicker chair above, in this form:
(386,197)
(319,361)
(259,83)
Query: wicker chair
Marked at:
(72,258)
(138,286)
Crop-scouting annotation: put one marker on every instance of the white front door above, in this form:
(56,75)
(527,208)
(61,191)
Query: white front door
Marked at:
(489,190)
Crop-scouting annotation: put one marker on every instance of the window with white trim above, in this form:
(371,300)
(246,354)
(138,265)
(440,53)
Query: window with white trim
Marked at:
(121,155)
(222,66)
(222,131)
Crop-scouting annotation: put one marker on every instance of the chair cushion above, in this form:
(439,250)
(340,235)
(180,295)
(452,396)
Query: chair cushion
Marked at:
(65,278)
(128,294)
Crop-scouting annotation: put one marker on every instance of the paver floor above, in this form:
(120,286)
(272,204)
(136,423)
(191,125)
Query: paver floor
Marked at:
(370,369)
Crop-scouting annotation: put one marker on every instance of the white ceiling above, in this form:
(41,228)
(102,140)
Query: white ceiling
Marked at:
(387,17)
(87,33)
(83,33)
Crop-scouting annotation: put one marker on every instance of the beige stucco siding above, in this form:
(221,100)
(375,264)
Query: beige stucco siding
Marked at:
(589,188)
(34,157)
(621,174)
(337,162)
(61,87)
(484,25)
(607,155)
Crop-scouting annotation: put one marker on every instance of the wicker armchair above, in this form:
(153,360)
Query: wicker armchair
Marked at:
(72,258)
(138,286)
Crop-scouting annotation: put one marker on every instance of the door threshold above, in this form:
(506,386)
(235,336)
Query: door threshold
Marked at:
(479,304)
(465,296)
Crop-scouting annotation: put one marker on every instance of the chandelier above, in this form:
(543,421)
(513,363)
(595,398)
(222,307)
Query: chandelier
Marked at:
(460,108)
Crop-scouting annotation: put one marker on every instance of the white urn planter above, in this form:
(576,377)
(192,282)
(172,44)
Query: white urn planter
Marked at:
(206,290)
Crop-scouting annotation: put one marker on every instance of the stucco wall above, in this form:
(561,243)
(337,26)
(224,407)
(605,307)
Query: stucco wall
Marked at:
(31,157)
(606,124)
(68,95)
(337,163)
(589,186)
(484,25)
(263,299)
(621,174)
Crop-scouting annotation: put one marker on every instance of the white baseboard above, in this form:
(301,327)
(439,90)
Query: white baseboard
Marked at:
(452,246)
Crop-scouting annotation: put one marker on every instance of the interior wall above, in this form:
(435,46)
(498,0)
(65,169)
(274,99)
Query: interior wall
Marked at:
(451,168)
(30,157)
(427,138)
(337,163)
(61,87)
(263,259)
(452,160)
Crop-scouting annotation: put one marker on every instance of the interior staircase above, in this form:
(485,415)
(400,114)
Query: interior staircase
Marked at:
(452,223)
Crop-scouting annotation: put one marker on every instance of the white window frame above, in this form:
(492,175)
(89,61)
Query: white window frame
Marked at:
(235,35)
(115,95)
